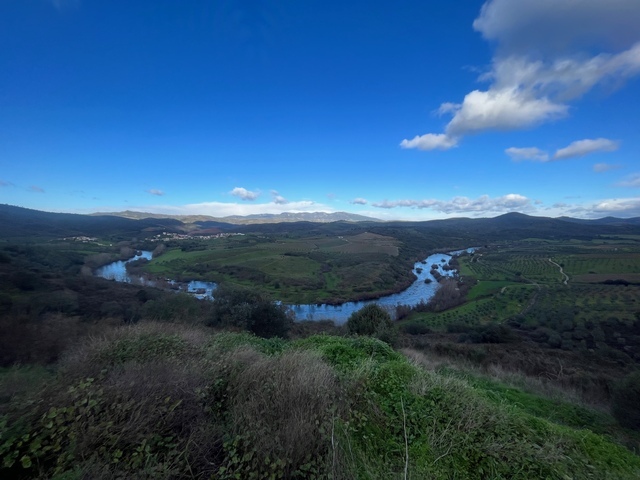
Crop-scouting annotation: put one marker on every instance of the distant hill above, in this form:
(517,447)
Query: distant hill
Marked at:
(18,222)
(604,221)
(208,221)
(316,217)
(24,222)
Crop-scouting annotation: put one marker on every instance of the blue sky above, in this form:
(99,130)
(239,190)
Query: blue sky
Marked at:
(403,110)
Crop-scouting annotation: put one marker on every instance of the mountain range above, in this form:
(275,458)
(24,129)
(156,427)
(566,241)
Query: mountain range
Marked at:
(18,222)
(316,217)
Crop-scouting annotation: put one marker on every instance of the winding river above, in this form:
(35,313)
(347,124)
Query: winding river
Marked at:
(418,291)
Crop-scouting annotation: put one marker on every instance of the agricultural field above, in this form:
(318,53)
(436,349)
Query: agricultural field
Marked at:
(494,305)
(314,269)
(577,295)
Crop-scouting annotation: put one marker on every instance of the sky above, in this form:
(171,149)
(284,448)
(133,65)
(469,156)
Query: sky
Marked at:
(410,110)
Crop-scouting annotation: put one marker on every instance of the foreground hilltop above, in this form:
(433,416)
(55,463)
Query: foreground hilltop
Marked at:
(169,401)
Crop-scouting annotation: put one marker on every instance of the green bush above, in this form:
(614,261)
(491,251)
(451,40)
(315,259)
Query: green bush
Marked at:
(372,320)
(247,309)
(416,329)
(624,401)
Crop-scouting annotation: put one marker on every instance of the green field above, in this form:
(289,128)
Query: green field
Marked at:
(299,270)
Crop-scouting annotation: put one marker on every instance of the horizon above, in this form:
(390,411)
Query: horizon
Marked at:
(119,214)
(400,114)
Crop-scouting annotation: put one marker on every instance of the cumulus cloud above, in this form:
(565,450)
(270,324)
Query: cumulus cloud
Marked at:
(359,201)
(619,207)
(458,205)
(548,53)
(244,194)
(568,24)
(277,198)
(502,109)
(632,181)
(154,191)
(430,141)
(35,188)
(530,153)
(581,148)
(604,167)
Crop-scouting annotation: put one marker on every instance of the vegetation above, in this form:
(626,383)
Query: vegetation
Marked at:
(625,406)
(249,310)
(295,269)
(507,373)
(521,284)
(166,401)
(372,320)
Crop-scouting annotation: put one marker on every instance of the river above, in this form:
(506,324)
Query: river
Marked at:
(418,291)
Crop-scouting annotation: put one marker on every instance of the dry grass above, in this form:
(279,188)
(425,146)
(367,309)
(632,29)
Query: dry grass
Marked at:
(547,387)
(82,359)
(287,403)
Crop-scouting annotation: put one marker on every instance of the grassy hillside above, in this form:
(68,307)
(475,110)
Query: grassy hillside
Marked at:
(167,401)
(309,269)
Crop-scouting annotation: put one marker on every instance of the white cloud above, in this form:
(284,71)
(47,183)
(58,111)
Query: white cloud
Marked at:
(156,192)
(359,201)
(277,198)
(459,205)
(502,109)
(430,141)
(548,52)
(244,194)
(625,207)
(581,148)
(530,153)
(604,167)
(225,209)
(35,188)
(632,181)
(568,24)
(447,108)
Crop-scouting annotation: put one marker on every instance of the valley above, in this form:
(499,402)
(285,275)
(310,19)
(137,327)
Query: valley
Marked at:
(534,336)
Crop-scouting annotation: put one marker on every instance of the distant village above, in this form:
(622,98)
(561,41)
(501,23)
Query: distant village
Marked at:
(184,236)
(161,237)
(82,239)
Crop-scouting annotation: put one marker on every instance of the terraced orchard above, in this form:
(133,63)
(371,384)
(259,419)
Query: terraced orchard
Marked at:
(523,284)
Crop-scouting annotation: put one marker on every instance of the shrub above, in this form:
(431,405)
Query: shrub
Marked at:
(416,329)
(247,309)
(372,320)
(490,333)
(624,402)
(366,320)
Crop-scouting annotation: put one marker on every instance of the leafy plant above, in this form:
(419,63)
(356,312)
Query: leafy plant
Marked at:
(625,404)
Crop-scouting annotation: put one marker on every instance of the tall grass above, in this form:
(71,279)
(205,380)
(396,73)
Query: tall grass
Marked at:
(172,402)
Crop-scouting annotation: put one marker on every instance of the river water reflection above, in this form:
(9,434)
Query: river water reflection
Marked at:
(418,291)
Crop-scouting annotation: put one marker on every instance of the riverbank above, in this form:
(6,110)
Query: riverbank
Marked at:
(426,273)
